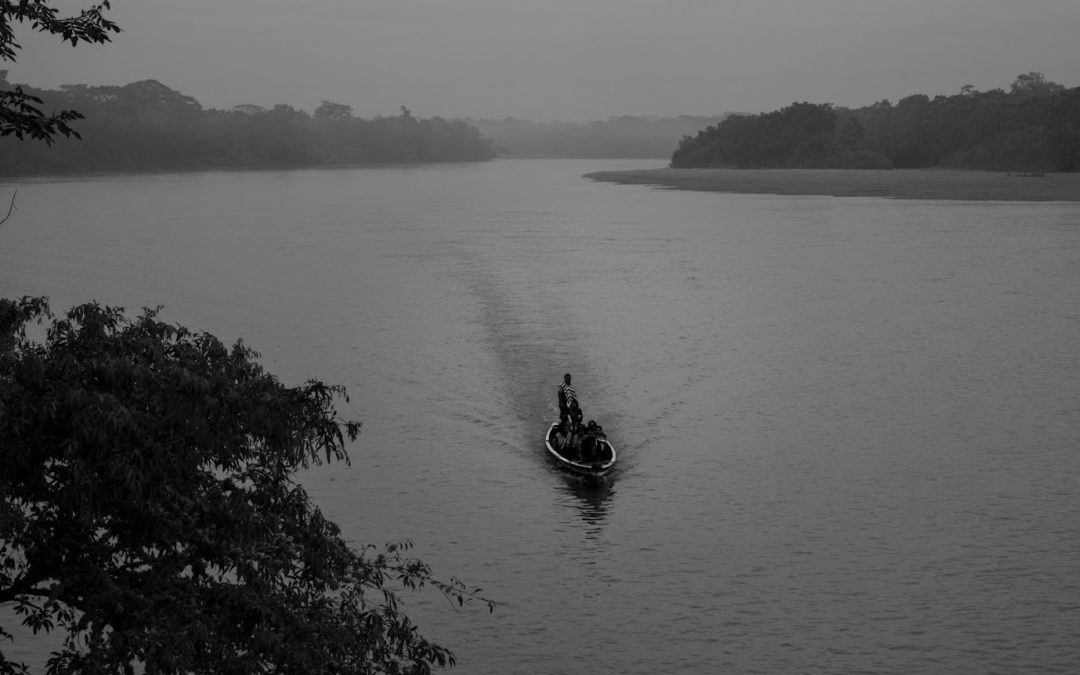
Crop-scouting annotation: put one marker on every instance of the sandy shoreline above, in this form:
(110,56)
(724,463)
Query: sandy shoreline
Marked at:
(894,184)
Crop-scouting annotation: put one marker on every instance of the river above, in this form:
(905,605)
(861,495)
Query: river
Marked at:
(849,427)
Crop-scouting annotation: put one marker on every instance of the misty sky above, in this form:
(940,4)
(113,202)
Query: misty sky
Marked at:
(565,59)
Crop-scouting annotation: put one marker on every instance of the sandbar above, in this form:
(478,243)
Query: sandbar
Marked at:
(891,184)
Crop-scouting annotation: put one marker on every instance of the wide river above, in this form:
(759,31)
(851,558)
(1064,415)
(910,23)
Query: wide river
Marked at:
(849,427)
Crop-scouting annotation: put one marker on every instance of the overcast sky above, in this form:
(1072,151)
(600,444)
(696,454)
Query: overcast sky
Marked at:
(566,59)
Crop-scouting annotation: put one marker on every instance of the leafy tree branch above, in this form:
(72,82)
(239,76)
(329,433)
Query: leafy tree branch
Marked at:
(20,114)
(150,510)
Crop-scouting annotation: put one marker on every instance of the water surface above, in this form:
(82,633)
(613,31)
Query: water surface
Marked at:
(848,426)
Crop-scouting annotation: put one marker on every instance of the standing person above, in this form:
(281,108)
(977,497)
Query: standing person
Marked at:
(567,393)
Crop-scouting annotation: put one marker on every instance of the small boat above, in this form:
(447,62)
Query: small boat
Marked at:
(595,470)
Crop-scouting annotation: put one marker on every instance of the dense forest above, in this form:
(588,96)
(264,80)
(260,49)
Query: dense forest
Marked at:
(145,125)
(622,137)
(148,126)
(1034,127)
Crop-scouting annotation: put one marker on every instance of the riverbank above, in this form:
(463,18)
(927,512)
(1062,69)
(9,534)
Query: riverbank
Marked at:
(893,184)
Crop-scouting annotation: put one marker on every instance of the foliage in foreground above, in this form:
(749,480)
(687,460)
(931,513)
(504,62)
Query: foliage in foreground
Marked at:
(148,508)
(20,114)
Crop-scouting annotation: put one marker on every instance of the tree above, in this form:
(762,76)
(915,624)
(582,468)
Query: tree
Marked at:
(20,115)
(1034,84)
(148,126)
(329,112)
(148,508)
(802,135)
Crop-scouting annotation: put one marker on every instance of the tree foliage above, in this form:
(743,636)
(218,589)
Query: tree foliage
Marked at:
(148,126)
(20,114)
(1034,84)
(1034,127)
(149,510)
(802,135)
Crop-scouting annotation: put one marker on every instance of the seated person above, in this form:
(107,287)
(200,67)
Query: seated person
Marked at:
(575,414)
(596,429)
(588,447)
(573,448)
(561,438)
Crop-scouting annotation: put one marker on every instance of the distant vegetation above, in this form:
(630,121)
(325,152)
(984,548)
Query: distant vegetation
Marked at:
(145,125)
(1034,127)
(148,126)
(622,137)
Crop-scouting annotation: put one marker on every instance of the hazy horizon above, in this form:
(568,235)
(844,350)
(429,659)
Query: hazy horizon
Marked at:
(557,60)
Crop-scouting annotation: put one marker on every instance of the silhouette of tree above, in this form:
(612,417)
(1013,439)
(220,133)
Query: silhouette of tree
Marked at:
(149,509)
(20,114)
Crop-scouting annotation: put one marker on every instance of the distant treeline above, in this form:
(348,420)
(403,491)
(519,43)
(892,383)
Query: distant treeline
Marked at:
(616,137)
(1032,128)
(147,126)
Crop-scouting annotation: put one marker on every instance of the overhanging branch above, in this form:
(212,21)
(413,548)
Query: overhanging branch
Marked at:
(23,586)
(11,207)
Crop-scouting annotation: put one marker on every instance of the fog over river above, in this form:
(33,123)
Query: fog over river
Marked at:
(849,428)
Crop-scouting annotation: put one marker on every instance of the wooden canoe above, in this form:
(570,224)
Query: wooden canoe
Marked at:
(595,470)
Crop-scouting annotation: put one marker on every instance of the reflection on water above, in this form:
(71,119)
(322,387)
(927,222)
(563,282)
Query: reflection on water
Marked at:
(593,502)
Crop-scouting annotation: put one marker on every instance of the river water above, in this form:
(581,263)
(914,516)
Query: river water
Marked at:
(849,427)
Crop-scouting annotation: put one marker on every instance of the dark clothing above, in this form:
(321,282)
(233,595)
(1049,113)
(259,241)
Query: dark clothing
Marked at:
(589,447)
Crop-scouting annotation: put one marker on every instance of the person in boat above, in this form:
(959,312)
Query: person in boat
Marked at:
(573,447)
(596,429)
(575,415)
(590,444)
(567,393)
(571,444)
(561,439)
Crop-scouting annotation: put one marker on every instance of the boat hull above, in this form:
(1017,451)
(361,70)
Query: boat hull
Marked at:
(595,471)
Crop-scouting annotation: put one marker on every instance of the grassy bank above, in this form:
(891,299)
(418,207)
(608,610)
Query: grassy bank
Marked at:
(895,184)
